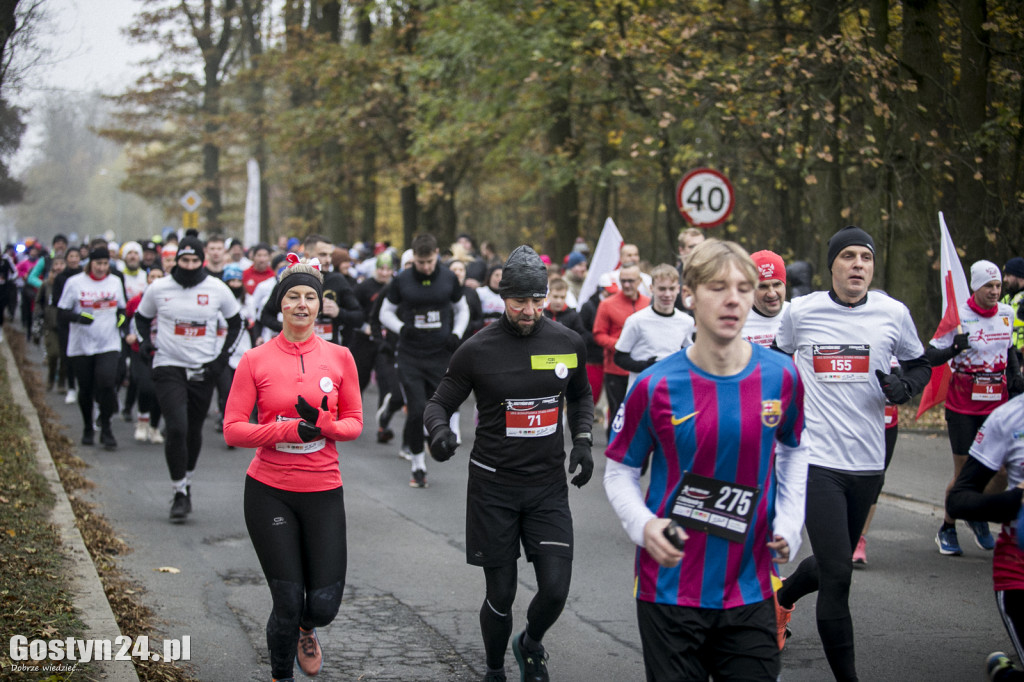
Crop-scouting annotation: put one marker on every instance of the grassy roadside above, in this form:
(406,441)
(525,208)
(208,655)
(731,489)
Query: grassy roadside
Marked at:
(133,617)
(32,601)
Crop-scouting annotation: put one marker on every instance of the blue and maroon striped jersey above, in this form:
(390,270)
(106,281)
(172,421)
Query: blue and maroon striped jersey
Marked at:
(723,428)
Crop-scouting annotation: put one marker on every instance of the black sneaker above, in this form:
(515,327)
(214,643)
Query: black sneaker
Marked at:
(107,439)
(88,437)
(127,415)
(419,479)
(180,507)
(495,677)
(533,665)
(385,435)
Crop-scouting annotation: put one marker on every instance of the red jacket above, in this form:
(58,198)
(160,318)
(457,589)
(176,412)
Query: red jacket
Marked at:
(611,315)
(250,278)
(272,377)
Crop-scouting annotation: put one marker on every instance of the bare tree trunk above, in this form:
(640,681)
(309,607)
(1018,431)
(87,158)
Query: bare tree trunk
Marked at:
(825,202)
(921,117)
(561,204)
(364,35)
(967,196)
(214,51)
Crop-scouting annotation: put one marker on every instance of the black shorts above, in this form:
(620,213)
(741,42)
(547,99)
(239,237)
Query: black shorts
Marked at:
(962,430)
(683,643)
(499,517)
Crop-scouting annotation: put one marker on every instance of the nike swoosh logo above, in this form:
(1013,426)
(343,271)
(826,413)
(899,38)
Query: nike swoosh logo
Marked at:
(677,422)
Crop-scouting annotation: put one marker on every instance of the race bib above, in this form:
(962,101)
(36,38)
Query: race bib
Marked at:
(841,362)
(891,412)
(987,386)
(715,507)
(301,448)
(99,303)
(323,330)
(430,319)
(531,417)
(189,328)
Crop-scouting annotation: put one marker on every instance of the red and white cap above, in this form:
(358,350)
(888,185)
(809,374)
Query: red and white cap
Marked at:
(769,266)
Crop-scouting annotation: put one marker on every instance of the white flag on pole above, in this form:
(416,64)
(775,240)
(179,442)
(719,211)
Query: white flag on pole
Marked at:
(605,259)
(251,231)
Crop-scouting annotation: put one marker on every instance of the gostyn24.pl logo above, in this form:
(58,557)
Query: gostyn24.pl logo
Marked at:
(73,650)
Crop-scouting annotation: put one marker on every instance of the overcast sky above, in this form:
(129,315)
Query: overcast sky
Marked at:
(89,52)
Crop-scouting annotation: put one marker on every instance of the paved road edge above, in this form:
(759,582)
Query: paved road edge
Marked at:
(89,597)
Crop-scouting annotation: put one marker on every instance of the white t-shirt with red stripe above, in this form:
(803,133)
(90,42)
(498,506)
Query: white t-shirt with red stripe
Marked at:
(762,330)
(101,299)
(1000,443)
(978,385)
(187,320)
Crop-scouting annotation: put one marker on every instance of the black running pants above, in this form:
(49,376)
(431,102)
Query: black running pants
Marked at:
(838,503)
(301,544)
(554,574)
(184,405)
(97,381)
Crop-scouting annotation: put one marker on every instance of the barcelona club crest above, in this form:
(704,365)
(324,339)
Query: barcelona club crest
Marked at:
(771,413)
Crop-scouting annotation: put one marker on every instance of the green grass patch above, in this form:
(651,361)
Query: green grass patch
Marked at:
(33,601)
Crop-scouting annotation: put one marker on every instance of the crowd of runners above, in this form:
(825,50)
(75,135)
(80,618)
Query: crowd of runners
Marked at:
(756,408)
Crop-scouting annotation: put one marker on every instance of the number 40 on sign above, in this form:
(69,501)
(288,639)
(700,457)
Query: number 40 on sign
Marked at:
(704,197)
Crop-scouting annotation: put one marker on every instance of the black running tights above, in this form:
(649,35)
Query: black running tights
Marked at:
(97,381)
(184,405)
(554,573)
(837,506)
(300,541)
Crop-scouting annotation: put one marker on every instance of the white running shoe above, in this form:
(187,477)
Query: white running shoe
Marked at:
(155,436)
(72,397)
(142,431)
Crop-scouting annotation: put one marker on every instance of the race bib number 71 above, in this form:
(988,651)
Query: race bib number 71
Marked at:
(531,417)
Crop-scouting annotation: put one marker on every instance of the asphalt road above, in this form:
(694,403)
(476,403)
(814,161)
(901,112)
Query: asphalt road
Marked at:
(411,605)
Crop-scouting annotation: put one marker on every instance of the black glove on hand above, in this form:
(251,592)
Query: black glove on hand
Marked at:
(896,390)
(580,456)
(452,343)
(308,412)
(1015,385)
(308,432)
(146,350)
(442,444)
(214,368)
(960,344)
(85,318)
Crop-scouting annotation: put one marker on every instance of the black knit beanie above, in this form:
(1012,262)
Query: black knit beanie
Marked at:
(851,235)
(524,275)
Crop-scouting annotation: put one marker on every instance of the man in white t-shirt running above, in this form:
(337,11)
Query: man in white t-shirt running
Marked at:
(189,358)
(843,341)
(657,331)
(985,374)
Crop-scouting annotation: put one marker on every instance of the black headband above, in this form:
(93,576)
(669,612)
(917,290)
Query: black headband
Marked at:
(298,279)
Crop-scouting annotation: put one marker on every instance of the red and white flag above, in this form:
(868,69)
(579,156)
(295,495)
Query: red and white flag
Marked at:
(954,293)
(605,259)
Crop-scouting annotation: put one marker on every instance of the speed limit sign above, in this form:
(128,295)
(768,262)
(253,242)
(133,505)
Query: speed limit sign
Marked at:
(704,197)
